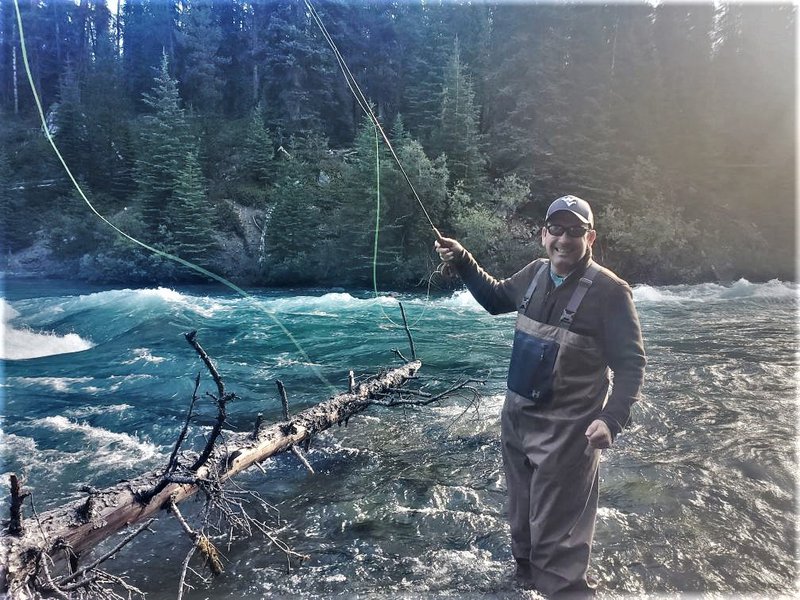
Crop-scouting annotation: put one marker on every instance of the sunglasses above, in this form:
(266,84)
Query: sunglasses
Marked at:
(574,231)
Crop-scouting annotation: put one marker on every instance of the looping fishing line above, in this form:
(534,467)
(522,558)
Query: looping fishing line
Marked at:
(147,247)
(362,102)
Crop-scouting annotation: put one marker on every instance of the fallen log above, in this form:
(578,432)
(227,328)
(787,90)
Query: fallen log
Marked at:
(77,527)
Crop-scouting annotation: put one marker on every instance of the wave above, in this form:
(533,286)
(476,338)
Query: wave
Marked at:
(461,299)
(89,385)
(99,437)
(330,300)
(144,355)
(7,312)
(128,302)
(24,343)
(104,451)
(57,384)
(711,292)
(113,312)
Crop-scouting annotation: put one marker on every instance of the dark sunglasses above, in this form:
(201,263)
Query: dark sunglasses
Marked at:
(574,231)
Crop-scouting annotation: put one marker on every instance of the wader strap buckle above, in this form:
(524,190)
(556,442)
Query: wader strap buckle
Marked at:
(532,287)
(577,296)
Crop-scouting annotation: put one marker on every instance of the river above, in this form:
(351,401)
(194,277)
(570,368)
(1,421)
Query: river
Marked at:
(697,496)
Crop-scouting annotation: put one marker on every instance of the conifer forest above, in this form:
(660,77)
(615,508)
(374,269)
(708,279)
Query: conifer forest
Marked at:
(224,132)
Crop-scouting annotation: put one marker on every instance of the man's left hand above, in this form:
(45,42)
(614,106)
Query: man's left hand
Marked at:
(598,434)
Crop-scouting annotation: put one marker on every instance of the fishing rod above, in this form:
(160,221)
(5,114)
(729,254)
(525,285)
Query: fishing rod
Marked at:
(156,251)
(364,105)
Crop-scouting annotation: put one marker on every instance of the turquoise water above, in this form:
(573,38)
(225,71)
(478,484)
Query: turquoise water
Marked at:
(699,495)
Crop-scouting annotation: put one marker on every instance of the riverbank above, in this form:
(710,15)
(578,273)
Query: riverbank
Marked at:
(235,261)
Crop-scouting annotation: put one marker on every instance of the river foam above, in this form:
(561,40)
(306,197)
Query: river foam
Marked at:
(23,343)
(712,292)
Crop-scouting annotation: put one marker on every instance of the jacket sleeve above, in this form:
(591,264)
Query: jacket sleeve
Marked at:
(495,295)
(624,349)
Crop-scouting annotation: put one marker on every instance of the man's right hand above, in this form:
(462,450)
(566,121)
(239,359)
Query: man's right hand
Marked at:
(448,249)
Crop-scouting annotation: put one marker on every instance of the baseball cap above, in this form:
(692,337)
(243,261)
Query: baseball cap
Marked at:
(578,207)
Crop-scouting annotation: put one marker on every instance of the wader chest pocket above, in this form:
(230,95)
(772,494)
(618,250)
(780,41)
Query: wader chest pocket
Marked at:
(531,371)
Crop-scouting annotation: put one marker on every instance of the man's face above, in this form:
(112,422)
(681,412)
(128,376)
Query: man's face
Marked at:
(564,250)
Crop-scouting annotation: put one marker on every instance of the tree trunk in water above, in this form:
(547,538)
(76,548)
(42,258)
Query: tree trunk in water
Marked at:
(82,524)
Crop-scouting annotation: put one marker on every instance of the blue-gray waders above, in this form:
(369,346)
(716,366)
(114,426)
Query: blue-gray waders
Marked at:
(557,385)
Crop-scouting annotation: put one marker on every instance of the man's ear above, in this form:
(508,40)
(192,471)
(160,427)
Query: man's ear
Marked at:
(591,236)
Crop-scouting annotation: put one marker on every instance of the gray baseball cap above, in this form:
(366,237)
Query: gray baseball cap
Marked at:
(578,207)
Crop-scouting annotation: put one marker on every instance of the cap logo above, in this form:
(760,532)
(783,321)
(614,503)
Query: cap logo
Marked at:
(570,201)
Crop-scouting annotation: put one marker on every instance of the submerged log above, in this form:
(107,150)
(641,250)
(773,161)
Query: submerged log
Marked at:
(78,526)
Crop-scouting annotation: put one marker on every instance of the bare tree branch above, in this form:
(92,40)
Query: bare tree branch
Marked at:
(129,538)
(173,459)
(408,331)
(25,561)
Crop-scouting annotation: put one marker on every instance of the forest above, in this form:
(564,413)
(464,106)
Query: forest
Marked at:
(224,132)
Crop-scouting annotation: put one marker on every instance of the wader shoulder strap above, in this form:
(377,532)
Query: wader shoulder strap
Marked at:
(537,278)
(577,296)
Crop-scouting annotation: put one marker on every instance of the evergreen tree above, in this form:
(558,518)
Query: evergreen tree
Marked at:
(456,134)
(257,158)
(641,212)
(71,125)
(423,48)
(353,221)
(586,157)
(110,156)
(199,41)
(683,36)
(240,27)
(192,219)
(407,231)
(149,34)
(13,233)
(754,144)
(295,248)
(296,75)
(527,99)
(163,144)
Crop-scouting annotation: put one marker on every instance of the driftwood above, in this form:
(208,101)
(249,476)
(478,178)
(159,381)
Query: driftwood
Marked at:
(28,546)
(40,555)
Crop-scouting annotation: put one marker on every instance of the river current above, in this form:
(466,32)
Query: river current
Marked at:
(698,496)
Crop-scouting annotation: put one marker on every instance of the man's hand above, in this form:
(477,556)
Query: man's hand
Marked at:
(448,249)
(598,434)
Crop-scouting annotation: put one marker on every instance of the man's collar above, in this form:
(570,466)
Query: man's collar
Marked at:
(577,272)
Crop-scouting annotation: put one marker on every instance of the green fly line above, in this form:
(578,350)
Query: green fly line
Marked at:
(147,247)
(362,102)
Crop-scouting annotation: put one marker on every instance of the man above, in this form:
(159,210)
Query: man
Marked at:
(576,320)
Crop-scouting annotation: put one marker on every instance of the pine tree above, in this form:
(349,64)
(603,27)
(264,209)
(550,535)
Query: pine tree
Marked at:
(353,222)
(294,247)
(257,157)
(162,146)
(407,230)
(527,100)
(110,111)
(457,132)
(71,124)
(192,219)
(296,71)
(149,34)
(199,43)
(424,45)
(13,233)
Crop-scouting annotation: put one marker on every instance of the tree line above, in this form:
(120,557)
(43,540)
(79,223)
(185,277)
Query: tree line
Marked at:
(224,132)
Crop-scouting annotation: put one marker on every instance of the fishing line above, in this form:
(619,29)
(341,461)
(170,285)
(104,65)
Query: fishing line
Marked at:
(363,103)
(147,247)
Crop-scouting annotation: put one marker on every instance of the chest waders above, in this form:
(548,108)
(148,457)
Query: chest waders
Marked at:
(557,384)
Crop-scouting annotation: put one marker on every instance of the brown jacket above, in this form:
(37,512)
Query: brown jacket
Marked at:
(606,314)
